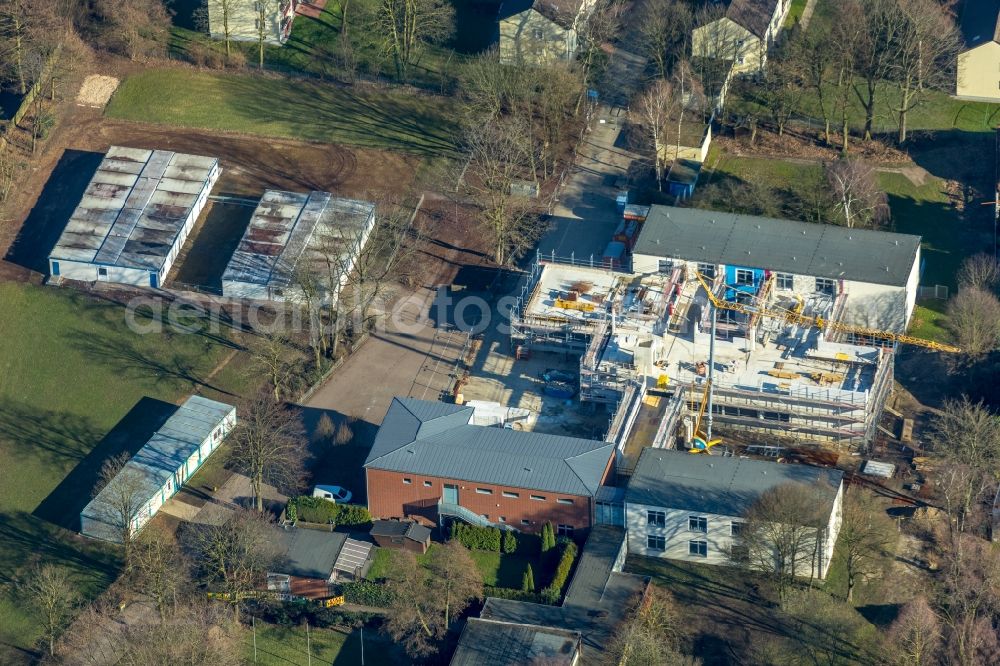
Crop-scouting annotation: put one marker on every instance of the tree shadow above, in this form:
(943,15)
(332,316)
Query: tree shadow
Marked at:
(56,203)
(63,505)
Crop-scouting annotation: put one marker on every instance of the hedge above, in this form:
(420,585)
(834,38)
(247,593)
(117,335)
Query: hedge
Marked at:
(563,569)
(318,510)
(366,593)
(477,538)
(517,595)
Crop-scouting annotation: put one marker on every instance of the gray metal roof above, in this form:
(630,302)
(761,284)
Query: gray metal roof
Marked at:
(492,643)
(717,485)
(400,528)
(309,553)
(353,556)
(754,15)
(435,439)
(134,208)
(288,226)
(595,566)
(787,246)
(165,452)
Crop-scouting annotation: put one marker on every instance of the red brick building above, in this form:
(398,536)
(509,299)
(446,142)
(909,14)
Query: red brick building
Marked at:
(430,462)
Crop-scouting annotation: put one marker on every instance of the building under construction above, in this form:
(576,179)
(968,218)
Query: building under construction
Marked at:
(804,327)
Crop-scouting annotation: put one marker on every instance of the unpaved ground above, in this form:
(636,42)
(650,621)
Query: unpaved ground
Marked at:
(96,91)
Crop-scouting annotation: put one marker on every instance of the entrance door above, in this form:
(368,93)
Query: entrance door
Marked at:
(450,494)
(55,268)
(154,280)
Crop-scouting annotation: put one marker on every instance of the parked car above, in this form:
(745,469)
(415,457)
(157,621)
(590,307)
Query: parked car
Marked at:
(335,494)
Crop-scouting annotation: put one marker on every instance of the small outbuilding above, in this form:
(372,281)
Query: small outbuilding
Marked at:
(171,456)
(134,217)
(287,231)
(401,535)
(315,559)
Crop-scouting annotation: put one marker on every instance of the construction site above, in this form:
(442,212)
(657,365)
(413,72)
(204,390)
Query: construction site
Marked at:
(699,348)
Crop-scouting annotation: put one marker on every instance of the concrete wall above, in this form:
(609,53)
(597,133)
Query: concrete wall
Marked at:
(389,496)
(697,153)
(979,72)
(243,16)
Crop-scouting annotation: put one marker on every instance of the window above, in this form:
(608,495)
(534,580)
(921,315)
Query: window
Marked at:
(744,276)
(102,271)
(708,270)
(525,521)
(538,33)
(739,553)
(657,518)
(407,481)
(484,491)
(564,500)
(784,281)
(508,493)
(736,529)
(538,498)
(698,548)
(665,265)
(427,484)
(502,519)
(654,542)
(564,530)
(697,524)
(826,286)
(256,24)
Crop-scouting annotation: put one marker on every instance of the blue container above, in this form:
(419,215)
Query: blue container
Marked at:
(622,200)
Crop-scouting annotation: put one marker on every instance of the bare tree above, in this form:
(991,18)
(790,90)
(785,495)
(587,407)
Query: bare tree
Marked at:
(974,318)
(865,537)
(225,11)
(784,532)
(265,23)
(656,107)
(123,490)
(25,27)
(914,637)
(407,26)
(159,569)
(876,23)
(273,357)
(968,602)
(664,28)
(981,271)
(426,599)
(601,27)
(52,593)
(500,153)
(781,89)
(848,31)
(813,54)
(135,28)
(235,554)
(858,199)
(268,445)
(925,46)
(649,635)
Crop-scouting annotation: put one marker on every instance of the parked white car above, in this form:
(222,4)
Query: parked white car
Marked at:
(335,494)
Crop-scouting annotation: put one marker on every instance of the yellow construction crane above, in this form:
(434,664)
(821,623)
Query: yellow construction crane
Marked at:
(796,317)
(701,443)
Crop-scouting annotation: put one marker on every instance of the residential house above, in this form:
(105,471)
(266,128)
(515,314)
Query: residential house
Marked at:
(429,462)
(158,470)
(599,598)
(688,507)
(542,32)
(134,217)
(401,535)
(743,35)
(314,560)
(243,19)
(979,59)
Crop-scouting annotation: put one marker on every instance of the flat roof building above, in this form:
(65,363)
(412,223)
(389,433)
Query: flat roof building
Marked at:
(289,228)
(158,470)
(134,217)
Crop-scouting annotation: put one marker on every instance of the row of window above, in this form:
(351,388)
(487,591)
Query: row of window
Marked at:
(695,523)
(744,276)
(697,547)
(489,491)
(561,530)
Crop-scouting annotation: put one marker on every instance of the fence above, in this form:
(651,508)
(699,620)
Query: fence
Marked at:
(937,291)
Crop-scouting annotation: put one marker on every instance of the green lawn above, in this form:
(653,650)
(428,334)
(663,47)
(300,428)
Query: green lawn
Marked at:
(293,108)
(70,370)
(795,12)
(288,646)
(497,569)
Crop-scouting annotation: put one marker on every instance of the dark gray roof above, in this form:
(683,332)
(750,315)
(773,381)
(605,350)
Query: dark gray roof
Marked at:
(400,528)
(597,562)
(754,15)
(803,248)
(560,12)
(980,22)
(436,439)
(717,485)
(492,643)
(309,553)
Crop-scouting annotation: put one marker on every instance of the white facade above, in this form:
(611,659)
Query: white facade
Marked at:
(242,18)
(705,538)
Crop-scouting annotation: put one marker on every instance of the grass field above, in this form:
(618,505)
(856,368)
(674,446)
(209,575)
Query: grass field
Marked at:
(70,370)
(498,570)
(289,646)
(795,12)
(297,109)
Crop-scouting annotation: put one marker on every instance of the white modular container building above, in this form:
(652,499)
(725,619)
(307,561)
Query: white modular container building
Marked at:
(134,217)
(289,229)
(158,470)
